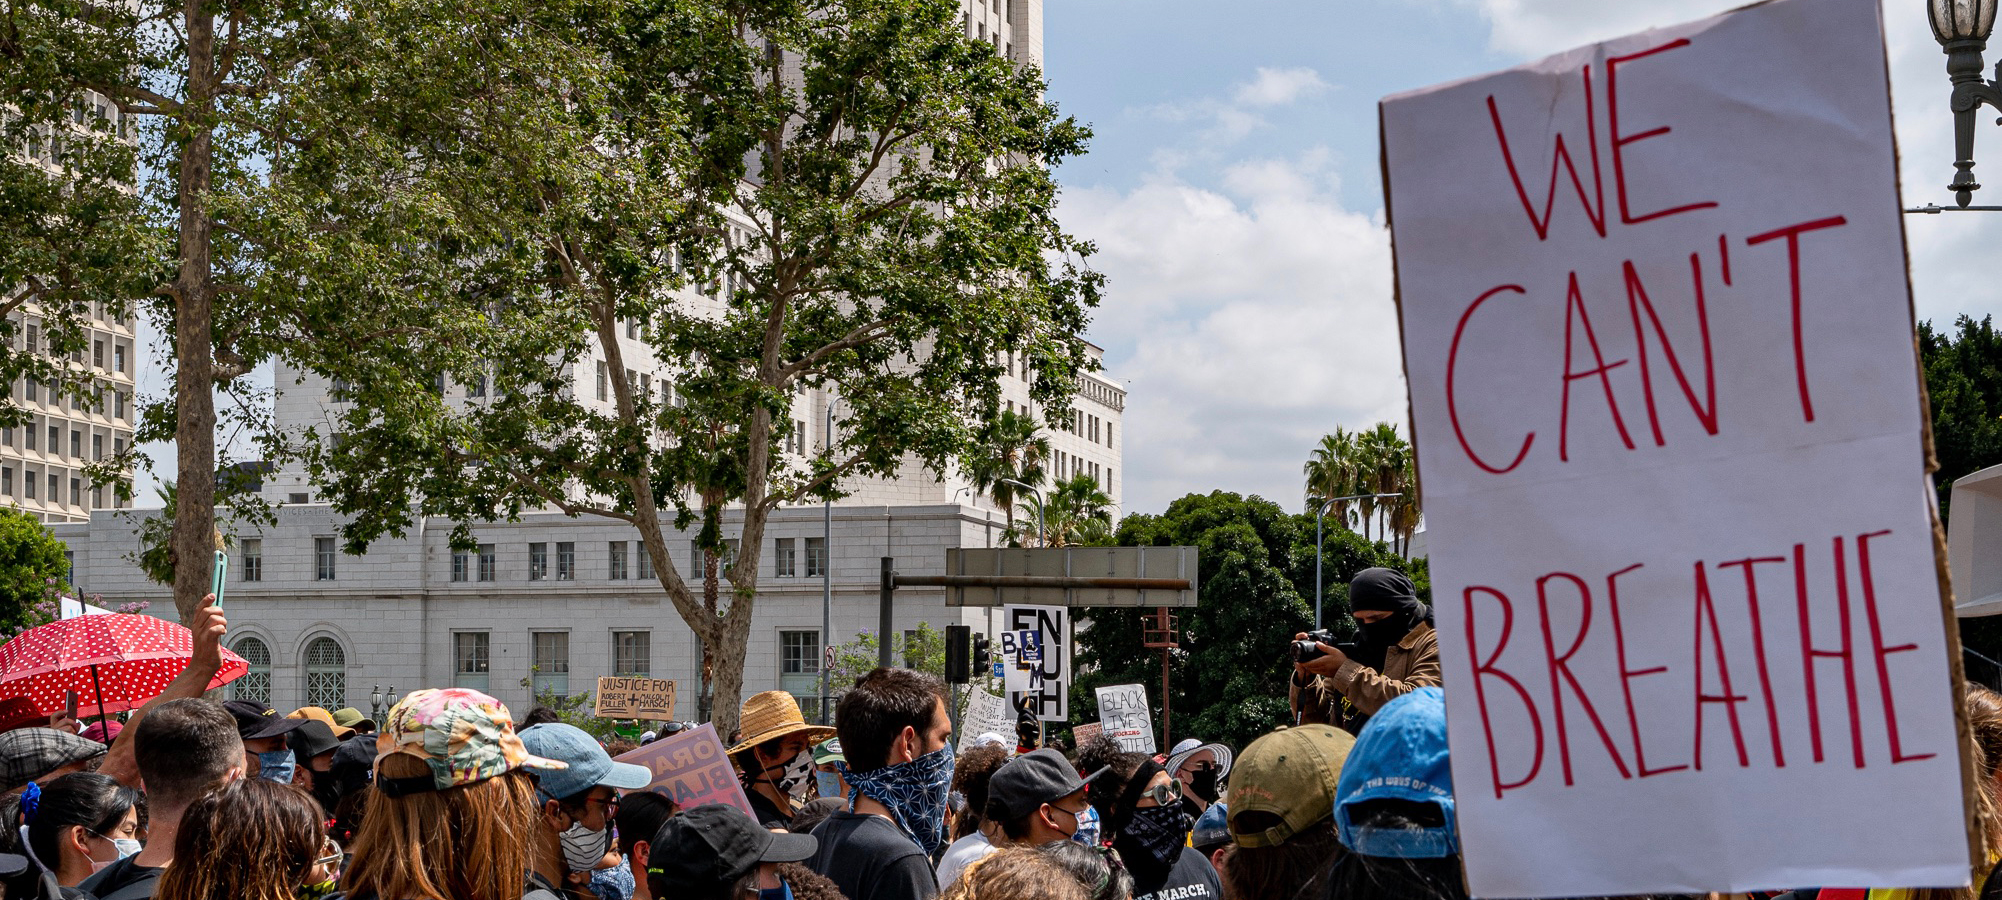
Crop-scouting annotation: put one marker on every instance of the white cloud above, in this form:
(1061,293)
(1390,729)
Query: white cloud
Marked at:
(1247,318)
(1279,87)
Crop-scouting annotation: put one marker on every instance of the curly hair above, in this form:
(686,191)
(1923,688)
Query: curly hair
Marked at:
(1016,873)
(251,840)
(970,775)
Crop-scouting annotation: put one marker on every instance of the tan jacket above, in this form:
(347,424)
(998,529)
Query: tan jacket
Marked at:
(1356,690)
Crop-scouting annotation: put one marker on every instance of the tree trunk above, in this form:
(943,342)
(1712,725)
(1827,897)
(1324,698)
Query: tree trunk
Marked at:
(193,539)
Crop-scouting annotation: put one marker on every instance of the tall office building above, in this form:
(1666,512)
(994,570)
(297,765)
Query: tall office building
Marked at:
(42,461)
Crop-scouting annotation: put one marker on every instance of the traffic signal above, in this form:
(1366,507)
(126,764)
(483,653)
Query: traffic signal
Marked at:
(983,656)
(957,639)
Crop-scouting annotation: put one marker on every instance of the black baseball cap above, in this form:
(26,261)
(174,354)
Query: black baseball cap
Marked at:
(1028,781)
(255,721)
(312,739)
(716,844)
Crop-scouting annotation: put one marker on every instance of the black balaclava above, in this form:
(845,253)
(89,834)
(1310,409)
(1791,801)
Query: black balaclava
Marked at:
(1389,591)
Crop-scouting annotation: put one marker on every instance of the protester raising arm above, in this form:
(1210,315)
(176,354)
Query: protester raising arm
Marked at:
(209,627)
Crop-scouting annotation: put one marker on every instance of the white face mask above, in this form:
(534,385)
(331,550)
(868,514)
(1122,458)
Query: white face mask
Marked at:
(583,848)
(126,847)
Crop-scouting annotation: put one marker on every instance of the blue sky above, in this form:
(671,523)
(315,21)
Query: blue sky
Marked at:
(1233,189)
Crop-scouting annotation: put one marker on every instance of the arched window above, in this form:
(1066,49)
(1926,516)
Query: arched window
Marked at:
(255,685)
(326,674)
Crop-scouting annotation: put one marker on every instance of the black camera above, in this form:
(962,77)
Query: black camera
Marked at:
(1304,650)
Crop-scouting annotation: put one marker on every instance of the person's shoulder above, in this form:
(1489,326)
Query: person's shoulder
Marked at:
(875,835)
(123,880)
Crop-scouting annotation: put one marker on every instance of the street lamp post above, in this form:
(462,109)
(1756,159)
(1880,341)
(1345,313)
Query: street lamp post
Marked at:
(1962,28)
(1319,514)
(826,572)
(1042,522)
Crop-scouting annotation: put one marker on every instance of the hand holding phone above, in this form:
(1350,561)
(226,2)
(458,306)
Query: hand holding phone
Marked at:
(69,703)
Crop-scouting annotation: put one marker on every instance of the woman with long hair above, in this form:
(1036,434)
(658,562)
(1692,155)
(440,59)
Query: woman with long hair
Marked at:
(1143,818)
(455,807)
(69,829)
(251,840)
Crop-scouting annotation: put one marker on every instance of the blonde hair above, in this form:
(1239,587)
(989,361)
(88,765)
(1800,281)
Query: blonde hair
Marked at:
(469,842)
(1984,736)
(249,840)
(1016,873)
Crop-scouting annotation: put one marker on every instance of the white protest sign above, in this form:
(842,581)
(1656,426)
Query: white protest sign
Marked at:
(1052,623)
(985,713)
(1659,344)
(1122,710)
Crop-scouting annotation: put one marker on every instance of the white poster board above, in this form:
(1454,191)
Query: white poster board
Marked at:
(1122,710)
(1052,694)
(1658,338)
(986,713)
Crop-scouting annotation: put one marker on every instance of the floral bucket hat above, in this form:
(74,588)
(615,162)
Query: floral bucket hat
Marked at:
(464,736)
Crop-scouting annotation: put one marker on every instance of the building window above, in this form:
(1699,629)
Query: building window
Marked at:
(782,557)
(7,481)
(76,492)
(97,354)
(255,684)
(538,561)
(55,439)
(76,444)
(323,560)
(97,446)
(799,669)
(486,562)
(645,561)
(632,653)
(28,390)
(470,660)
(118,357)
(253,559)
(55,494)
(462,565)
(326,672)
(28,484)
(1108,434)
(479,386)
(816,557)
(552,663)
(118,404)
(615,566)
(566,561)
(603,381)
(28,435)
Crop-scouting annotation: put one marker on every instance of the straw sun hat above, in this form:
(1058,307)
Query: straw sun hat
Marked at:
(774,714)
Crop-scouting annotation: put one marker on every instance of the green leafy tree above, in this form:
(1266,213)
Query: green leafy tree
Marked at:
(1256,562)
(1080,513)
(1334,469)
(846,194)
(33,570)
(1963,380)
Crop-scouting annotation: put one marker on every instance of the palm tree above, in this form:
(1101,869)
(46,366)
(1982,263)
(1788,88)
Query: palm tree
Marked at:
(1331,471)
(1384,457)
(1405,513)
(1079,512)
(1008,448)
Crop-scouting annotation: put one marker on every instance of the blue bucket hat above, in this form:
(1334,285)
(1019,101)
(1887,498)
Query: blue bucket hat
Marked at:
(589,767)
(1400,755)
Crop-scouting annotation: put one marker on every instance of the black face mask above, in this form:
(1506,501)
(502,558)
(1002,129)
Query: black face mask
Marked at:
(1384,590)
(1154,838)
(1204,783)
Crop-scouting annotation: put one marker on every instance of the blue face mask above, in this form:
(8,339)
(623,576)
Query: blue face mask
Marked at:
(1087,827)
(276,765)
(782,892)
(830,783)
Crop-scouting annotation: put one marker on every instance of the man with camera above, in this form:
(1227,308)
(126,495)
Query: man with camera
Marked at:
(1395,653)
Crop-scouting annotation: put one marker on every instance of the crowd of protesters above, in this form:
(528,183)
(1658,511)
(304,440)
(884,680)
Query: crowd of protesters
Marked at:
(449,798)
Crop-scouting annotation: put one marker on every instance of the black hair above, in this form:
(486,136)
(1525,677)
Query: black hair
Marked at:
(882,704)
(971,774)
(541,715)
(96,802)
(184,749)
(1298,867)
(640,815)
(1358,877)
(1098,870)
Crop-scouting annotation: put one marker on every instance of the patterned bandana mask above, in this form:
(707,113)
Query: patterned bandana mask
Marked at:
(914,791)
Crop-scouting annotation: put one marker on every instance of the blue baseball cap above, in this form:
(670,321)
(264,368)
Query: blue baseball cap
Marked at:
(590,765)
(1212,827)
(1400,755)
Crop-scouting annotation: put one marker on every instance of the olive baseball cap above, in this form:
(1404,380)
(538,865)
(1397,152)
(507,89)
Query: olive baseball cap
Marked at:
(1290,775)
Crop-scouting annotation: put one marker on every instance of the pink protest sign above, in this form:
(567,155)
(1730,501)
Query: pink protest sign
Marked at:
(1658,337)
(690,768)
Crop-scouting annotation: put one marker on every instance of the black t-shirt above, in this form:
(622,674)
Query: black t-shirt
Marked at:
(870,857)
(1190,878)
(766,812)
(123,880)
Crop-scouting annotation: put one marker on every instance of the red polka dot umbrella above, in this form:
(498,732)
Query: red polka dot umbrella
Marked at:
(113,661)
